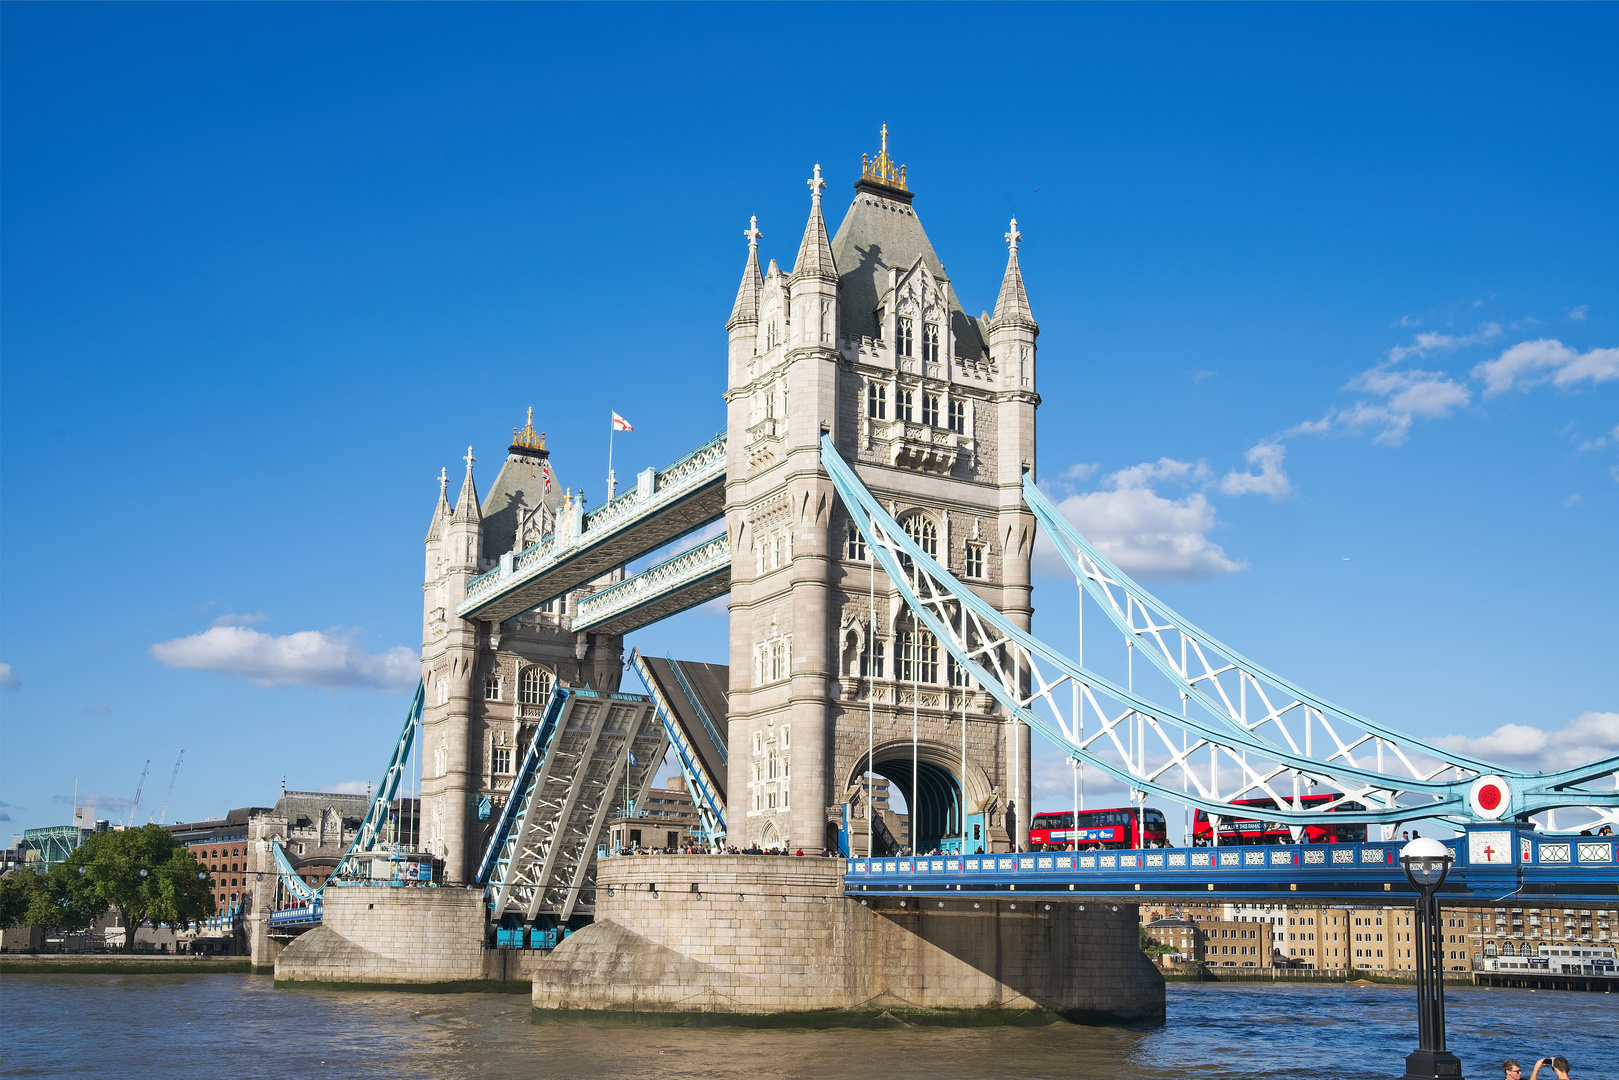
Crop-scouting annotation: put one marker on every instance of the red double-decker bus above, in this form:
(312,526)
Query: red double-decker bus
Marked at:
(1118,827)
(1235,831)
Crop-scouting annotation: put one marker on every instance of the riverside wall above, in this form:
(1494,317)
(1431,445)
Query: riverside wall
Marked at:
(726,938)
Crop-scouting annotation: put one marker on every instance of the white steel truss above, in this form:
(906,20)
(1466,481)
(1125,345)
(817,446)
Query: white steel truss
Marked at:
(1198,754)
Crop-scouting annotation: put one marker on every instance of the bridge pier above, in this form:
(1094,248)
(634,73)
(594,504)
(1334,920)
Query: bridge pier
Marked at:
(738,939)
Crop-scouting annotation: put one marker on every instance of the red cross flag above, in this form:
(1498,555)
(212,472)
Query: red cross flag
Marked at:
(621,424)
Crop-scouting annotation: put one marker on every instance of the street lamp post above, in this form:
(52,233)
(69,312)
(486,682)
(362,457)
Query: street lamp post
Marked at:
(1426,863)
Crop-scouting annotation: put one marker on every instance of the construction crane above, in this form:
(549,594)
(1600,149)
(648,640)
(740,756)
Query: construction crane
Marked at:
(130,820)
(163,815)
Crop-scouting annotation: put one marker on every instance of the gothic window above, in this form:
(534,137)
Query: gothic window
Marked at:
(534,686)
(871,660)
(930,409)
(501,760)
(758,748)
(778,659)
(857,544)
(443,691)
(923,533)
(903,408)
(780,544)
(786,739)
(491,687)
(549,607)
(918,657)
(877,402)
(772,334)
(958,417)
(902,343)
(930,342)
(975,561)
(954,671)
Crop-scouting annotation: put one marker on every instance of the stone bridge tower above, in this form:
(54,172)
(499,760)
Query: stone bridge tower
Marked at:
(865,339)
(486,686)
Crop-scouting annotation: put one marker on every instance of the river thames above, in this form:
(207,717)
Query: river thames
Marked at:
(242,1027)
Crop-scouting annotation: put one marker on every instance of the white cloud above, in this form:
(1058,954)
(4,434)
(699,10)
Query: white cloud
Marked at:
(307,658)
(1271,479)
(1429,342)
(1408,395)
(1080,471)
(8,678)
(96,799)
(241,620)
(1587,737)
(1578,314)
(1531,363)
(348,787)
(1573,500)
(1410,320)
(1146,534)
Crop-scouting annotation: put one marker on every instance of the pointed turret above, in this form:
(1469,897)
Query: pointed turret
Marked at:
(746,309)
(815,250)
(466,504)
(441,512)
(1012,306)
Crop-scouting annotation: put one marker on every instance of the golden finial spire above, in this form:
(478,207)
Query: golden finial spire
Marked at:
(526,436)
(883,170)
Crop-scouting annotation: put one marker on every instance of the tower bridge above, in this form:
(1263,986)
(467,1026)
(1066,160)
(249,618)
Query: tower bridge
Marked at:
(875,487)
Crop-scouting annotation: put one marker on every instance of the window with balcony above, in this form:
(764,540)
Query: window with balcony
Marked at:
(877,401)
(918,657)
(871,660)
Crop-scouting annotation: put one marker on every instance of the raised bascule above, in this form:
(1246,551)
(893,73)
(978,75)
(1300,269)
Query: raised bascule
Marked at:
(876,482)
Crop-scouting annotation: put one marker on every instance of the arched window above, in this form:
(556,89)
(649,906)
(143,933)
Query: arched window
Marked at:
(534,686)
(930,342)
(923,533)
(902,346)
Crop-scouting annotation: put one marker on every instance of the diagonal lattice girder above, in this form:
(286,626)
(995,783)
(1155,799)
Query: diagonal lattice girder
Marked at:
(1206,762)
(593,753)
(1254,699)
(376,815)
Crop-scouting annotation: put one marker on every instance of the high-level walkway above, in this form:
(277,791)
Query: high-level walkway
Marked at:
(663,506)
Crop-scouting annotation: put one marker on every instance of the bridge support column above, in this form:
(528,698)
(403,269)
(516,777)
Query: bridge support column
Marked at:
(722,939)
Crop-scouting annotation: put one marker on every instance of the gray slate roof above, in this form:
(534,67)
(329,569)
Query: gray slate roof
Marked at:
(879,232)
(519,486)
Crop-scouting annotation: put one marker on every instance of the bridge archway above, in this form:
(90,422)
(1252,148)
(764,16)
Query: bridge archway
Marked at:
(933,790)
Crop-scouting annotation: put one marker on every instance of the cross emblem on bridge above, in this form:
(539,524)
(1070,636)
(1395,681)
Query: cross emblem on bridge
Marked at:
(1489,853)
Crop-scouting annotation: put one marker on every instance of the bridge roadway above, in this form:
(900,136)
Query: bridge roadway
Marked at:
(1555,868)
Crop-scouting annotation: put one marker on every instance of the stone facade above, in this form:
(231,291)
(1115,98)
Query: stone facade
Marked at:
(865,340)
(753,935)
(487,684)
(381,935)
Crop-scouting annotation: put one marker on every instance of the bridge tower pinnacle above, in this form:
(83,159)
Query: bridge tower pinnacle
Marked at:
(865,341)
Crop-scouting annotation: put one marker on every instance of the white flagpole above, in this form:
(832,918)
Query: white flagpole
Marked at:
(612,483)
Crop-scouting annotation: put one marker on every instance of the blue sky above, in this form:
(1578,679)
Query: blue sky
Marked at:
(267,269)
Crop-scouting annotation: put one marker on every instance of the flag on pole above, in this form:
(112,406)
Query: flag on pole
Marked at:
(621,424)
(545,471)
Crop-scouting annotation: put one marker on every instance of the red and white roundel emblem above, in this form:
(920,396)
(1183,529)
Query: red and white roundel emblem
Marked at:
(1491,797)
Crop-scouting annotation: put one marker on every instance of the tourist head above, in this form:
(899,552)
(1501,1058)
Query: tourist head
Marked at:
(1559,1066)
(1511,1069)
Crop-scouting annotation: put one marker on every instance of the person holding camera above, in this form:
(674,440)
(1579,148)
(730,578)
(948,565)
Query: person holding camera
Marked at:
(1559,1066)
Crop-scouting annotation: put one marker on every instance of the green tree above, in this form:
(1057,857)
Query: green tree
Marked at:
(53,900)
(16,893)
(145,874)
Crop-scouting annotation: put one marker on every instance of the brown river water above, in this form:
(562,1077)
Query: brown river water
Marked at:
(240,1026)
